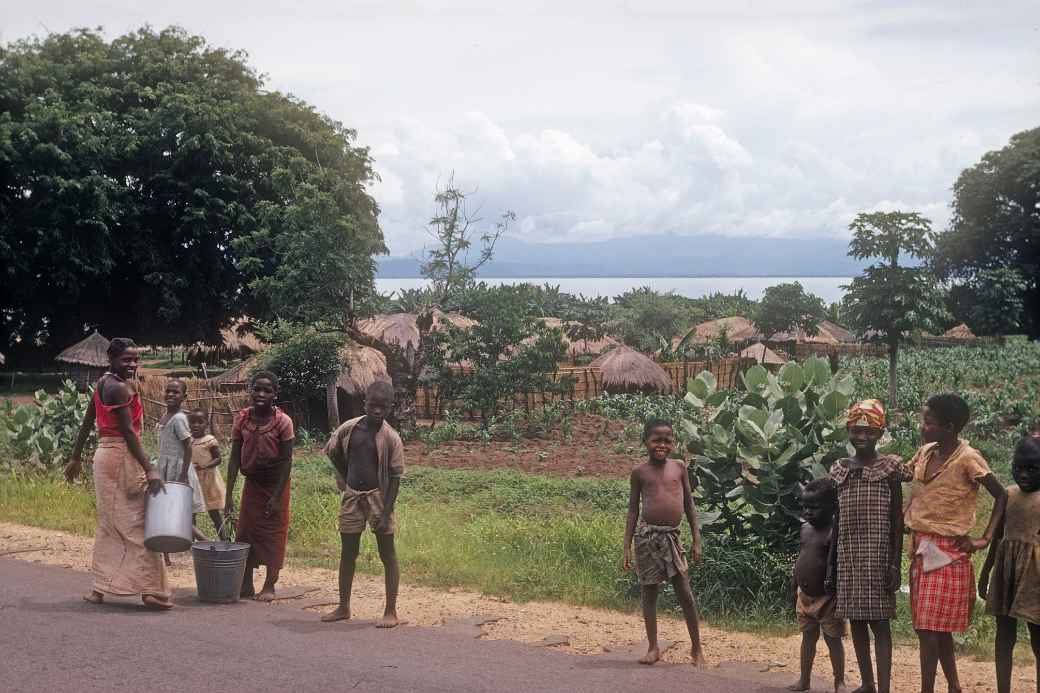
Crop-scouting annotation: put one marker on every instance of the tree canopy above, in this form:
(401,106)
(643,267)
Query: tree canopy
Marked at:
(150,186)
(996,220)
(787,308)
(890,301)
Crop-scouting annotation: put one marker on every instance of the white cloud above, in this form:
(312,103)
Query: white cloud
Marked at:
(592,121)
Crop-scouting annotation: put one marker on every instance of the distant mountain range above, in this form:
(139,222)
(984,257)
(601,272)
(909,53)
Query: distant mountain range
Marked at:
(659,256)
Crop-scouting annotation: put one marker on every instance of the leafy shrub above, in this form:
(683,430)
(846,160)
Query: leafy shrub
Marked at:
(303,363)
(43,432)
(758,445)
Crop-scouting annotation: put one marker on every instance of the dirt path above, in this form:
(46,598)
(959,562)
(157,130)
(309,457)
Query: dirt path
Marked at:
(588,631)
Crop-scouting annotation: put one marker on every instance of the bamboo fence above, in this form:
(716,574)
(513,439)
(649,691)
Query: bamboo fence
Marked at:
(221,404)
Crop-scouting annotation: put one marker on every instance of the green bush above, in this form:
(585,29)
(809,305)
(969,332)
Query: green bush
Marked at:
(43,433)
(303,363)
(756,446)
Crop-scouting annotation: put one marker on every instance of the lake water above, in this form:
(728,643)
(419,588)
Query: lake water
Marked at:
(827,288)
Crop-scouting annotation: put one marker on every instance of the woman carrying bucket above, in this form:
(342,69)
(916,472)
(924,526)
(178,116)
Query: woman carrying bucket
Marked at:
(123,477)
(262,448)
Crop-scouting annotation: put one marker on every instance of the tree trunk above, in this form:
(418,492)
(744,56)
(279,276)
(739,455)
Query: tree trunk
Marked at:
(893,359)
(332,402)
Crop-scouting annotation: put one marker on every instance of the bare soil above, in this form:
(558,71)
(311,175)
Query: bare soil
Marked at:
(597,447)
(587,631)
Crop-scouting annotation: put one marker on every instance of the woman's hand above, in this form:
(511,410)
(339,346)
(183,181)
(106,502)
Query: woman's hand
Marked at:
(271,509)
(893,578)
(155,482)
(73,468)
(626,561)
(970,546)
(984,584)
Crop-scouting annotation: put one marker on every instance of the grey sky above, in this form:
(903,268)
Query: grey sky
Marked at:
(598,119)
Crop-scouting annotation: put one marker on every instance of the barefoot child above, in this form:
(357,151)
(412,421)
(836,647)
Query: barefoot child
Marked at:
(1014,560)
(262,448)
(814,607)
(865,558)
(369,459)
(174,463)
(206,458)
(659,497)
(947,473)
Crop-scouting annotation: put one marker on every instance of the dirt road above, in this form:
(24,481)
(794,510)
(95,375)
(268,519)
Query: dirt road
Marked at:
(52,640)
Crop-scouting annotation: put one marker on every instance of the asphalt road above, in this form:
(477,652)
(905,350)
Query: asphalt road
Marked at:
(51,640)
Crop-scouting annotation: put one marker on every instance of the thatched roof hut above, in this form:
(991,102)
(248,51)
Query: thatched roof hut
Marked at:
(239,340)
(626,370)
(362,366)
(827,332)
(237,374)
(403,329)
(85,361)
(961,331)
(737,329)
(763,355)
(577,347)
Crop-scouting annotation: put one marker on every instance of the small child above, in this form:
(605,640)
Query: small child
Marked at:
(1014,590)
(174,463)
(947,473)
(865,557)
(660,495)
(814,607)
(368,456)
(206,458)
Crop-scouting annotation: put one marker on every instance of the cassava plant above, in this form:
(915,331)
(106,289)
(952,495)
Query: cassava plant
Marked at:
(752,448)
(42,433)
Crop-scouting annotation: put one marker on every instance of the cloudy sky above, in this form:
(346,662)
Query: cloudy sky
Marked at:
(603,119)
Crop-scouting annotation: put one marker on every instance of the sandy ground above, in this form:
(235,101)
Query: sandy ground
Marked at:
(586,631)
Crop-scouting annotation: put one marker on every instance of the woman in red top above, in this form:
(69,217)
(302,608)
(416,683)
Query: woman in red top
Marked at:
(122,566)
(262,448)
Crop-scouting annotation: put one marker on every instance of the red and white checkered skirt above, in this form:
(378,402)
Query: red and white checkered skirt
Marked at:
(942,600)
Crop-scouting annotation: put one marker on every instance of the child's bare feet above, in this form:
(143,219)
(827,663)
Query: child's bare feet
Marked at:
(799,685)
(866,688)
(839,687)
(697,657)
(266,594)
(389,620)
(94,597)
(652,656)
(153,602)
(342,613)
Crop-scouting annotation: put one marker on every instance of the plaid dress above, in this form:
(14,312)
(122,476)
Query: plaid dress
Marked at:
(864,536)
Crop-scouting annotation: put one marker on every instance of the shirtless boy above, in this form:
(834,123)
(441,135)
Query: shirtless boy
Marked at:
(813,606)
(369,459)
(662,487)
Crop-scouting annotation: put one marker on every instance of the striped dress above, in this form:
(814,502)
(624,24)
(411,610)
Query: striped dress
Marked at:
(864,538)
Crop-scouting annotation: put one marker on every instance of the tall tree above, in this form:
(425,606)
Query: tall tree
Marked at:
(586,319)
(991,301)
(890,301)
(789,308)
(996,221)
(146,183)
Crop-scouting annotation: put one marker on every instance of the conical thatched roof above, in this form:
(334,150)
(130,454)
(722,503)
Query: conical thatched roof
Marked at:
(763,355)
(578,346)
(236,374)
(362,366)
(737,329)
(240,340)
(624,368)
(962,331)
(827,332)
(403,329)
(92,351)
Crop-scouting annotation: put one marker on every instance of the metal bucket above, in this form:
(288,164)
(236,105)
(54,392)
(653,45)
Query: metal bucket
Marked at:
(219,569)
(167,519)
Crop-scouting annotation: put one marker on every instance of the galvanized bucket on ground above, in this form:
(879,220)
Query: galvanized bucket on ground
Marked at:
(167,519)
(219,568)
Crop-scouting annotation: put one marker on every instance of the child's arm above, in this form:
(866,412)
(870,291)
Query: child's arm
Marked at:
(214,457)
(186,452)
(895,546)
(691,516)
(991,556)
(969,545)
(634,489)
(830,583)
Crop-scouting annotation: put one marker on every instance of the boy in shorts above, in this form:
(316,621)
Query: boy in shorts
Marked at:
(368,456)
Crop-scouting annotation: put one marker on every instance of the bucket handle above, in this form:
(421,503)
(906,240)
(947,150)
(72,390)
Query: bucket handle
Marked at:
(228,522)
